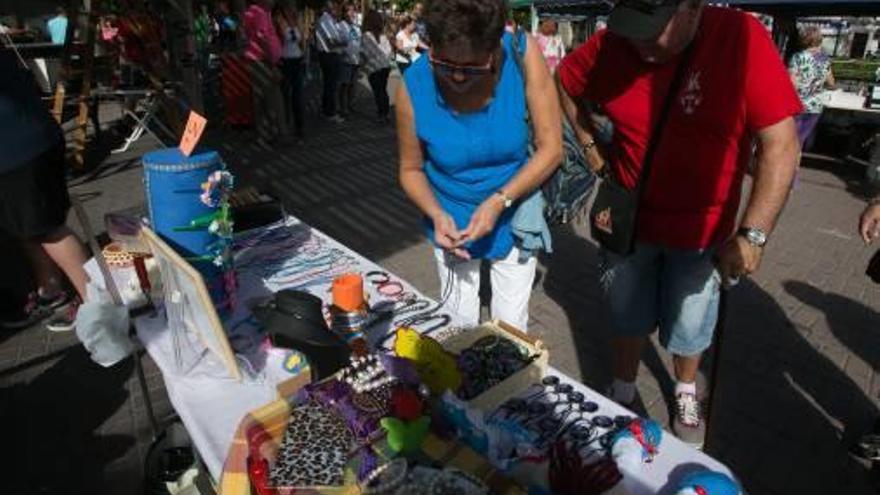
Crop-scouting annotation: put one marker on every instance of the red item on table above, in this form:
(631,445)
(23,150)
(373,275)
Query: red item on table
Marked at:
(406,405)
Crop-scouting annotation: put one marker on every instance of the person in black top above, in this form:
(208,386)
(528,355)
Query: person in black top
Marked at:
(33,192)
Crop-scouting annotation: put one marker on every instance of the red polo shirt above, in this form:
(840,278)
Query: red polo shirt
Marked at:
(735,84)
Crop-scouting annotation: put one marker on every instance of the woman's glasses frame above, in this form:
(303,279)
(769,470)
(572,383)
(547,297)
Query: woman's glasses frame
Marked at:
(449,69)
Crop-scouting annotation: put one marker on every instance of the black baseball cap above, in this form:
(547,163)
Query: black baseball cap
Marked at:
(641,20)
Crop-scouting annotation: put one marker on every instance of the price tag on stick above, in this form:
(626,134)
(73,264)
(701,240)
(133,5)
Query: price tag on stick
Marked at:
(195,126)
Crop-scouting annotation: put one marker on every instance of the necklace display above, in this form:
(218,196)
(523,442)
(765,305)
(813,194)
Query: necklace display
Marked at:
(366,374)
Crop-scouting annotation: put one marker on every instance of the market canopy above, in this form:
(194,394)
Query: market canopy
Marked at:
(801,8)
(810,8)
(565,8)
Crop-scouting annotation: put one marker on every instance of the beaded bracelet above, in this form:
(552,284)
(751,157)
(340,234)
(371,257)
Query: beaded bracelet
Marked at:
(116,256)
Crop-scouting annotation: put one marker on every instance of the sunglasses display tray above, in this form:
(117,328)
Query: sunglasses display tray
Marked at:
(518,382)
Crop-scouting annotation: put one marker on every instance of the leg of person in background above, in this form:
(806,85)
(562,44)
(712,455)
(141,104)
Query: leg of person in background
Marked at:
(287,87)
(342,91)
(352,87)
(328,64)
(338,67)
(297,90)
(260,88)
(375,79)
(512,287)
(384,101)
(459,286)
(275,103)
(806,127)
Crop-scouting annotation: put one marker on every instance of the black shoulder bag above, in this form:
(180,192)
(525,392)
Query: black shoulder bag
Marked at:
(614,215)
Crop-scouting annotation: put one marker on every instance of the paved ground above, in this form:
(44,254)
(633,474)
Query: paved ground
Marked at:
(798,371)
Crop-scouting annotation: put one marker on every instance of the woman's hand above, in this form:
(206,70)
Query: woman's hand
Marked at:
(448,237)
(869,224)
(484,218)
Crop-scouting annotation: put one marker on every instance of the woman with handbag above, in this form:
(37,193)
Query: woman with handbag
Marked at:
(463,144)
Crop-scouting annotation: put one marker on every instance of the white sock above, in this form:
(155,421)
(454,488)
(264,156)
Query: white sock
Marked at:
(623,392)
(685,388)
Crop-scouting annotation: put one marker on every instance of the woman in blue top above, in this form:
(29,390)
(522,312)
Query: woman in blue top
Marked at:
(463,144)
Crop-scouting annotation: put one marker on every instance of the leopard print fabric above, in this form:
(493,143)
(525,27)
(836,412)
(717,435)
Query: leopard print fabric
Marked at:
(314,451)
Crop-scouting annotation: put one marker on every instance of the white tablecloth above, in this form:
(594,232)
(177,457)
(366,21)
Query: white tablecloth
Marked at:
(211,404)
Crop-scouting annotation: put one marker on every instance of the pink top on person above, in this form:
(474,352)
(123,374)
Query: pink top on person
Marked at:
(260,33)
(552,48)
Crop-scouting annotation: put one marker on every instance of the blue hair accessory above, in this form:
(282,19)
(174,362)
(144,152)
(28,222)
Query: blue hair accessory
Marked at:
(637,443)
(708,483)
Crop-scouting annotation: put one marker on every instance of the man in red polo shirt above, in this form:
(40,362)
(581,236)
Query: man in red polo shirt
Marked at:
(734,92)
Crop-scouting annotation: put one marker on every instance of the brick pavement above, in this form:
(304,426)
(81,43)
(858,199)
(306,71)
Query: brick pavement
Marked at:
(799,359)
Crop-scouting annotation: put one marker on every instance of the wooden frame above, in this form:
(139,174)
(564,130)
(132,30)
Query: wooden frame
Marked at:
(202,308)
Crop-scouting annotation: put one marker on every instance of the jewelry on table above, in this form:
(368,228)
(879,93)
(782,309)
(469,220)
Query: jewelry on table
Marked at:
(452,481)
(366,374)
(487,362)
(386,479)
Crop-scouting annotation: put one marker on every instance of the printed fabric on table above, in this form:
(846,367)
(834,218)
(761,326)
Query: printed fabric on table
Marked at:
(314,451)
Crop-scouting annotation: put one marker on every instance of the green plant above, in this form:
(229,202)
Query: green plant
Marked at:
(856,70)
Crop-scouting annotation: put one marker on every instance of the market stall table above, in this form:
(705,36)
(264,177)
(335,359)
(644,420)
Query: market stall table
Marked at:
(294,255)
(845,109)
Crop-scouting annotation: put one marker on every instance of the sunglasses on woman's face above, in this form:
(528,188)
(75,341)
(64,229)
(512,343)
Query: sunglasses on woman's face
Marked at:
(449,69)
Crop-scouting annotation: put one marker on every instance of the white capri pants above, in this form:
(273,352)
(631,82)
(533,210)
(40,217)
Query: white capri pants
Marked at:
(511,287)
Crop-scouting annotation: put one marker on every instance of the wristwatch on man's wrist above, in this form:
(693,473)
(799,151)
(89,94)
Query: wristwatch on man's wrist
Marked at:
(755,236)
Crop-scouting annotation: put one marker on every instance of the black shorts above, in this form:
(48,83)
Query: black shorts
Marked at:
(33,198)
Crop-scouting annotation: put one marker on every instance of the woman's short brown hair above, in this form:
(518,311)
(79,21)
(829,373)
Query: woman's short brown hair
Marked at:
(811,37)
(478,23)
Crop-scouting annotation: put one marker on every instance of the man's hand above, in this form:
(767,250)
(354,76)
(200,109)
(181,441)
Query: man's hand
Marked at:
(448,237)
(738,257)
(484,218)
(869,224)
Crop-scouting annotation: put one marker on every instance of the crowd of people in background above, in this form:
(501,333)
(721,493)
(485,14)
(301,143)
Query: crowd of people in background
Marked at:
(346,44)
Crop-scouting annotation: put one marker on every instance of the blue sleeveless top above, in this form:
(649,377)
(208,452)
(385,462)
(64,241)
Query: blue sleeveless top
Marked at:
(470,156)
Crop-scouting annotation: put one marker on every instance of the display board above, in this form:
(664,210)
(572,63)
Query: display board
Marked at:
(192,300)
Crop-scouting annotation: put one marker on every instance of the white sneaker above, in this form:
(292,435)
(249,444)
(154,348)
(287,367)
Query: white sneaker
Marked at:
(688,424)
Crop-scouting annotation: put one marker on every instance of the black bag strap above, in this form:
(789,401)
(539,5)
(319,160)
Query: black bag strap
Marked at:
(657,134)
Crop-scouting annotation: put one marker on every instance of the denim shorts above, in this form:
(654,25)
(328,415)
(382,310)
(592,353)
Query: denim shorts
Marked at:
(673,289)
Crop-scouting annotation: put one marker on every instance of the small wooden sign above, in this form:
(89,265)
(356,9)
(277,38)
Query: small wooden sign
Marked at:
(195,126)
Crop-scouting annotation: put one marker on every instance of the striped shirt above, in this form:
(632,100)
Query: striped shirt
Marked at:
(329,36)
(377,55)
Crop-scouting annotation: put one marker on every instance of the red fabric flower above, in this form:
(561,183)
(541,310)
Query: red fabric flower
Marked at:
(406,404)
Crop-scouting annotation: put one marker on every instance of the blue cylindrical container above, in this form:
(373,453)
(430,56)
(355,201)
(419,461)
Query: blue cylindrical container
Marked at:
(173,183)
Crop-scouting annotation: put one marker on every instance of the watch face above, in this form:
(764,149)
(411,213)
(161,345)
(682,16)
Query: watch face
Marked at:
(756,237)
